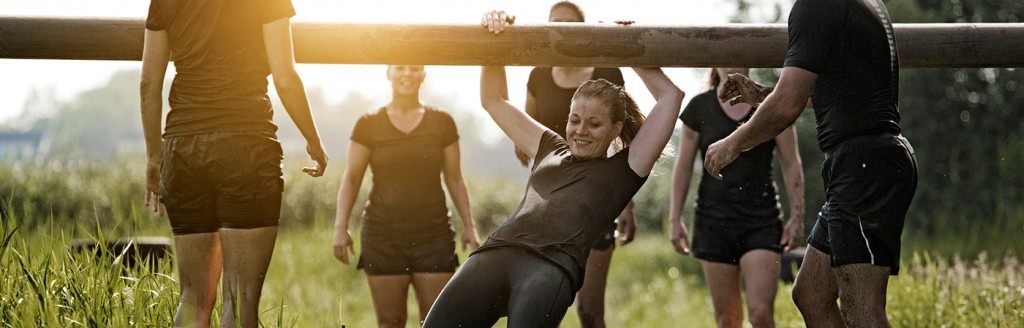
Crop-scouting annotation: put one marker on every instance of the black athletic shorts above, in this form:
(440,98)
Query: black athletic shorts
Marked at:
(382,255)
(723,233)
(221,180)
(869,184)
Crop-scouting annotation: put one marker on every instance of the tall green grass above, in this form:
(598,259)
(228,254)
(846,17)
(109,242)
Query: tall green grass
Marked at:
(44,283)
(936,292)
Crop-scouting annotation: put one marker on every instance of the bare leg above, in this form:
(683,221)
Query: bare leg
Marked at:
(590,298)
(862,290)
(815,291)
(427,287)
(390,294)
(199,263)
(760,270)
(724,285)
(247,254)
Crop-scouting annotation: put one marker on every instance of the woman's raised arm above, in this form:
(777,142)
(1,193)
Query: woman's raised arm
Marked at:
(524,131)
(652,137)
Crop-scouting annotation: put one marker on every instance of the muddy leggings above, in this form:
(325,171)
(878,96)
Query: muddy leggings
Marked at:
(511,281)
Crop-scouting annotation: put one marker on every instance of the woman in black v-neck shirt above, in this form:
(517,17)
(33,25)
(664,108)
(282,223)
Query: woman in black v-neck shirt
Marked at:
(407,235)
(738,232)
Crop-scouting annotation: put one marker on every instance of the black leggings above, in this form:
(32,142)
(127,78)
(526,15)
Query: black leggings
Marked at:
(511,281)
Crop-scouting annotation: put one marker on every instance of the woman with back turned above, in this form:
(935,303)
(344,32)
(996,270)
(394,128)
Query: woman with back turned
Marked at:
(217,166)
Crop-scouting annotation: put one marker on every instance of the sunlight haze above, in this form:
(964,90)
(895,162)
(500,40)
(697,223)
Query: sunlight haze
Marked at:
(65,78)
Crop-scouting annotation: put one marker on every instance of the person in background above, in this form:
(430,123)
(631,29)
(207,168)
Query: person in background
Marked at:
(407,235)
(738,232)
(216,169)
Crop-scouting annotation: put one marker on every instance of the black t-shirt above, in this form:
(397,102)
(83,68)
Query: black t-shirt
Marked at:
(406,199)
(568,204)
(746,186)
(220,61)
(553,101)
(850,45)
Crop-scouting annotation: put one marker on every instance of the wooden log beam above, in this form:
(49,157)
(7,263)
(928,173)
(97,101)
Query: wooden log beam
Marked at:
(733,45)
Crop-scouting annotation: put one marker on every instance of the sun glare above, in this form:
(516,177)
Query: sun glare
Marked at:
(67,78)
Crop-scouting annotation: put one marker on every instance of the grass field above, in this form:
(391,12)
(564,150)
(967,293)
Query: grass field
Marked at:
(45,284)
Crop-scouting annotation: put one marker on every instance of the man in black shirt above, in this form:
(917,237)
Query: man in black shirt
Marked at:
(843,51)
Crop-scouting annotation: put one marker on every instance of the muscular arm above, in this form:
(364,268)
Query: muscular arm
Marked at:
(652,137)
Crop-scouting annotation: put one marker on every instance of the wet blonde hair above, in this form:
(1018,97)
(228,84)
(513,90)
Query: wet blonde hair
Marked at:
(622,107)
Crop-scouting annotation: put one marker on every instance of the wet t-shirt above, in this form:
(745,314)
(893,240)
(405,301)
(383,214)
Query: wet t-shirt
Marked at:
(220,61)
(850,45)
(406,200)
(747,189)
(553,101)
(568,204)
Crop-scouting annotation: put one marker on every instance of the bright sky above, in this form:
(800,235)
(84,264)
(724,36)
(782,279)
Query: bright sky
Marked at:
(66,78)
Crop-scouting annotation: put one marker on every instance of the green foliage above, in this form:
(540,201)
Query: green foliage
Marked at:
(651,203)
(46,284)
(493,199)
(73,192)
(649,285)
(936,292)
(970,141)
(965,127)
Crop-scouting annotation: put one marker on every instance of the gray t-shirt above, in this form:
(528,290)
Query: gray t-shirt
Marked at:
(569,203)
